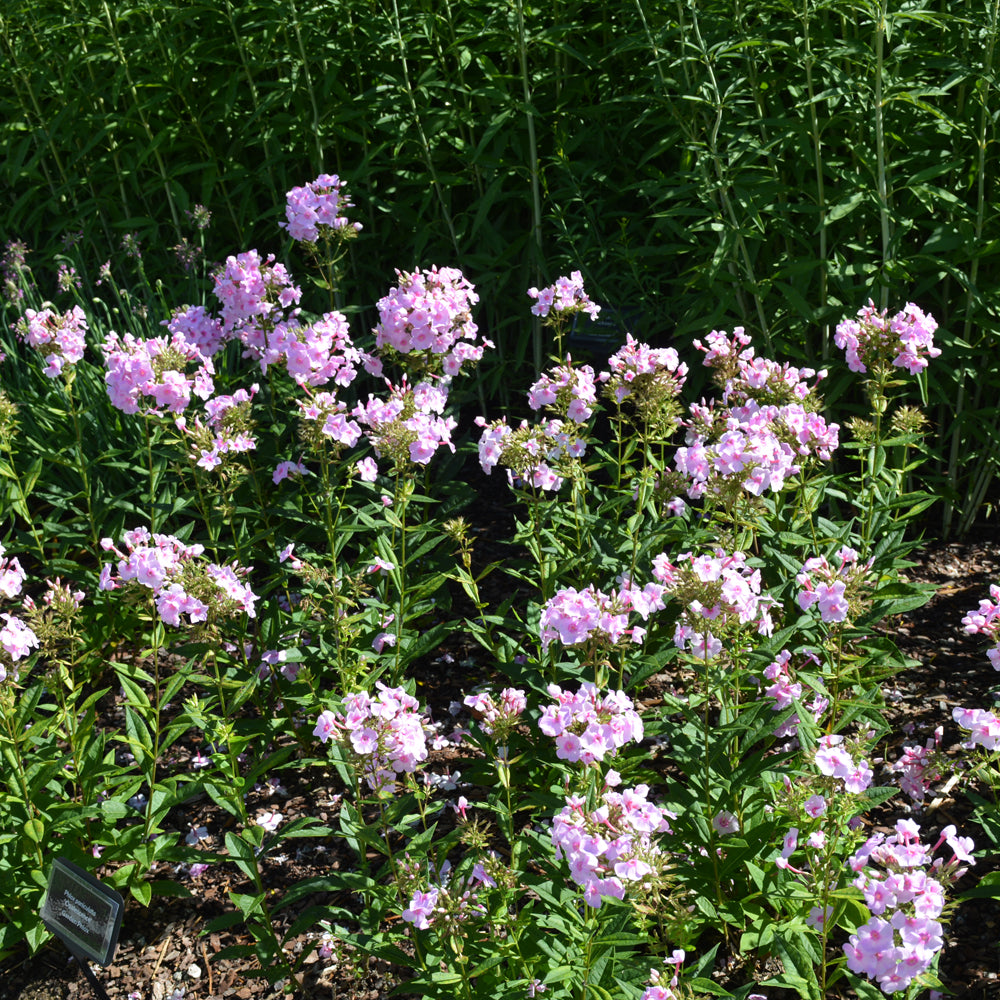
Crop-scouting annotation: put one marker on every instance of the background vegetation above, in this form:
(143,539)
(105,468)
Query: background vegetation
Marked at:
(771,164)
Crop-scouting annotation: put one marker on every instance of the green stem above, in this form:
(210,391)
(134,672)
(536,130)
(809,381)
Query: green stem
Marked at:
(883,194)
(5,443)
(82,462)
(536,194)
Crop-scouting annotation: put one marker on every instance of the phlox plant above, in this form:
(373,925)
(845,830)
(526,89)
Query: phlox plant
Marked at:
(674,753)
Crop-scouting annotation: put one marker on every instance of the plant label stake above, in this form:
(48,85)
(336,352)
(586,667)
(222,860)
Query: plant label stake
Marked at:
(85,915)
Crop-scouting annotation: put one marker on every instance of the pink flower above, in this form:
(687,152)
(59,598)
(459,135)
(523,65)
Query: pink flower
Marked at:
(725,823)
(326,726)
(420,912)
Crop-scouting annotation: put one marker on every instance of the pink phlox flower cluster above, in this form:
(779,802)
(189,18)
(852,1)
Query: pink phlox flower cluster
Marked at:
(759,446)
(986,621)
(872,338)
(919,766)
(451,902)
(565,297)
(588,727)
(17,640)
(983,726)
(152,375)
(228,580)
(719,588)
(811,433)
(784,691)
(331,416)
(422,908)
(637,362)
(750,452)
(903,935)
(657,989)
(722,349)
(288,470)
(532,454)
(314,354)
(830,589)
(567,391)
(226,431)
(385,733)
(833,760)
(612,845)
(430,313)
(315,210)
(255,294)
(198,327)
(577,616)
(14,271)
(59,338)
(408,427)
(494,716)
(767,426)
(182,585)
(748,378)
(12,575)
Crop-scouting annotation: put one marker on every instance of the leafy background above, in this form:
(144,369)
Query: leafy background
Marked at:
(705,164)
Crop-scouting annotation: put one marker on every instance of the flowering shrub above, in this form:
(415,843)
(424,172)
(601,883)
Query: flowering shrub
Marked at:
(677,607)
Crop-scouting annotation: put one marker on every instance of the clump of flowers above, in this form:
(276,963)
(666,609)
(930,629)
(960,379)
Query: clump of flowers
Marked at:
(198,327)
(17,639)
(564,298)
(983,726)
(14,271)
(324,418)
(256,295)
(765,429)
(408,426)
(904,891)
(612,846)
(319,353)
(834,759)
(587,726)
(650,380)
(919,766)
(59,338)
(185,588)
(874,340)
(539,455)
(448,900)
(835,592)
(718,593)
(497,719)
(155,375)
(784,691)
(227,430)
(660,990)
(384,735)
(570,393)
(985,620)
(576,617)
(429,315)
(315,211)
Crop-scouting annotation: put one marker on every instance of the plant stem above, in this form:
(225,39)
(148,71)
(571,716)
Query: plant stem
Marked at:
(883,194)
(536,196)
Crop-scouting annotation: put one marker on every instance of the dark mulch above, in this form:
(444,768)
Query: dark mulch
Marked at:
(162,946)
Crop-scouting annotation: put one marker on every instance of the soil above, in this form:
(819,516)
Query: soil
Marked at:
(162,947)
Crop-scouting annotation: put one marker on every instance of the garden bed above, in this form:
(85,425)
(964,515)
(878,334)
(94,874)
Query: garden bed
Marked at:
(162,947)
